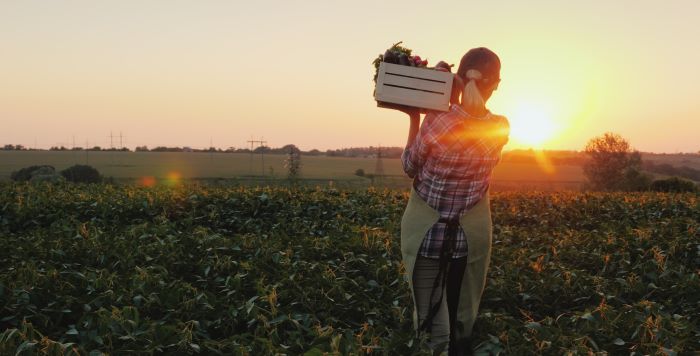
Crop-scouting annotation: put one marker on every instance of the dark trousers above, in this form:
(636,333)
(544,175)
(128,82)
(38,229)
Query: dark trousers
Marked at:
(425,272)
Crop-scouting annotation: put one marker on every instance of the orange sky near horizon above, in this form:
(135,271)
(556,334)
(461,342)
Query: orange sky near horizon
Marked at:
(183,73)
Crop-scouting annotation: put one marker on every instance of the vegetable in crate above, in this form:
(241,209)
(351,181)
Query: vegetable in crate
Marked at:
(444,67)
(398,54)
(391,55)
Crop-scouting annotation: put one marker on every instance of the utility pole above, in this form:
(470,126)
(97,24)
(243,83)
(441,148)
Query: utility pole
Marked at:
(262,154)
(379,168)
(111,147)
(111,140)
(261,143)
(250,170)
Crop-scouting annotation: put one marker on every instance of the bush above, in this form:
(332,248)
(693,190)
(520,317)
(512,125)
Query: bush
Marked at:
(674,185)
(81,174)
(52,178)
(25,174)
(360,172)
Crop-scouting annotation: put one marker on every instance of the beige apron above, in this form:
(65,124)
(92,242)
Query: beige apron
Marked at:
(418,218)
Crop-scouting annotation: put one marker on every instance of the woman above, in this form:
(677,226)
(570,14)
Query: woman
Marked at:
(446,228)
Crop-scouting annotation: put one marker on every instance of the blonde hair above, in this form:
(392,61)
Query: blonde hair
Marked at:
(471,96)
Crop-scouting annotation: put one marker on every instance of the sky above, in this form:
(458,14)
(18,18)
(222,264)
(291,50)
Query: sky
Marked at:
(193,73)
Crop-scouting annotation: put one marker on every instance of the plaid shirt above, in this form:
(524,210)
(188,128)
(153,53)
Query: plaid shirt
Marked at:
(451,161)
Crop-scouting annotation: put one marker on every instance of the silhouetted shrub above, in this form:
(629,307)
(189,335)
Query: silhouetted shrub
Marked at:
(52,178)
(25,174)
(82,174)
(674,184)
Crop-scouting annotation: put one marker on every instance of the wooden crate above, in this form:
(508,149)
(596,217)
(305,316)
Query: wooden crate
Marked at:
(413,86)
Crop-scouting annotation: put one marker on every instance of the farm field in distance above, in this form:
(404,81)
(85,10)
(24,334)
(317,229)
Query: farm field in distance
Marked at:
(200,165)
(131,167)
(186,269)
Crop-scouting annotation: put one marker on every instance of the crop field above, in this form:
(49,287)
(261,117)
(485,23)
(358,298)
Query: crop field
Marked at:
(92,269)
(132,166)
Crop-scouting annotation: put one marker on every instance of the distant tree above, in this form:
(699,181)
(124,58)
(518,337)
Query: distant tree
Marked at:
(167,149)
(293,162)
(612,164)
(141,149)
(263,149)
(360,172)
(12,147)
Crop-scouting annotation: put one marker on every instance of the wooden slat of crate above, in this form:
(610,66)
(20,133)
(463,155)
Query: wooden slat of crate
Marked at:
(418,87)
(409,82)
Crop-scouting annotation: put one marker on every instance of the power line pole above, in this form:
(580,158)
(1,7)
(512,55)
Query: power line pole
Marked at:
(262,154)
(251,141)
(379,168)
(111,140)
(261,143)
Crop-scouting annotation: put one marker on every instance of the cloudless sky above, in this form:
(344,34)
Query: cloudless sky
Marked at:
(182,73)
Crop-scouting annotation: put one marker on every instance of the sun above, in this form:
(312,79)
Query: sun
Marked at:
(531,125)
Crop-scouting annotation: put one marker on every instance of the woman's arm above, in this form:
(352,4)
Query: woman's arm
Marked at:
(414,154)
(413,128)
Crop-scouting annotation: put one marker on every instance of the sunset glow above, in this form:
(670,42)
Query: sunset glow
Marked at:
(191,73)
(531,125)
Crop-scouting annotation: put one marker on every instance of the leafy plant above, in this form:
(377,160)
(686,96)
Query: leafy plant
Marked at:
(90,269)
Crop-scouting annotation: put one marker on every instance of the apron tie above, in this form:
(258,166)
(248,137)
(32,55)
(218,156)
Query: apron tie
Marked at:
(449,244)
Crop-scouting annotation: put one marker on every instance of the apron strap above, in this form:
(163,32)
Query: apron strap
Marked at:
(447,249)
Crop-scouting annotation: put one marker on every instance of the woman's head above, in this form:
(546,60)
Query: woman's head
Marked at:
(480,71)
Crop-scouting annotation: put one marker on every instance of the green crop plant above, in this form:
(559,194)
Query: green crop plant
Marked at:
(91,269)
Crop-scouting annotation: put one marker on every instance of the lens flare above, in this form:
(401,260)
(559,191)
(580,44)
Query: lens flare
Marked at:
(147,181)
(173,178)
(545,163)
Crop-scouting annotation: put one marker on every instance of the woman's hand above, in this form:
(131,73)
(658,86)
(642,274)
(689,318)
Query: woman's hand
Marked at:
(412,112)
(408,110)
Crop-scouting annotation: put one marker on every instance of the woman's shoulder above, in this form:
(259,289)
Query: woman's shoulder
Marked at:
(500,119)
